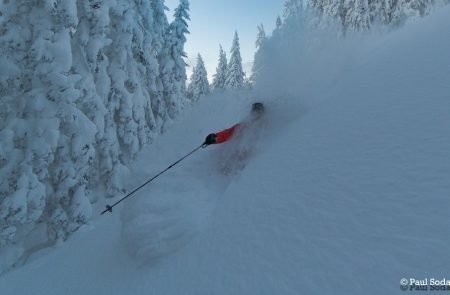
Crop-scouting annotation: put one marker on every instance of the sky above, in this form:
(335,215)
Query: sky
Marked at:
(213,22)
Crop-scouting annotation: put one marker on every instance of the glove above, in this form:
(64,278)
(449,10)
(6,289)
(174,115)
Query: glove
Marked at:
(210,139)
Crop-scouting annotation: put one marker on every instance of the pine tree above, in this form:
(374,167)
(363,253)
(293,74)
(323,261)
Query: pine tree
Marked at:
(261,39)
(412,8)
(57,87)
(357,16)
(125,103)
(362,14)
(277,32)
(22,191)
(221,71)
(173,64)
(278,23)
(292,9)
(81,86)
(160,25)
(160,28)
(199,84)
(50,143)
(235,73)
(92,62)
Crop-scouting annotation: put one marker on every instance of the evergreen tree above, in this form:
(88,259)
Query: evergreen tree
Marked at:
(359,15)
(199,84)
(160,27)
(277,32)
(261,39)
(173,64)
(221,71)
(235,73)
(82,87)
(22,191)
(92,62)
(412,8)
(48,146)
(127,98)
(278,23)
(292,8)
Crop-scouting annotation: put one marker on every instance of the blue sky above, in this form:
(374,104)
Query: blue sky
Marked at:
(213,22)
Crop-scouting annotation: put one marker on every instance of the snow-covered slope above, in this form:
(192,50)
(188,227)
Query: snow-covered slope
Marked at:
(344,196)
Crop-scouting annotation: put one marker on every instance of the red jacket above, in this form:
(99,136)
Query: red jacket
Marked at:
(226,134)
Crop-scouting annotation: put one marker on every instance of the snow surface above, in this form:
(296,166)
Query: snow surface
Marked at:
(343,196)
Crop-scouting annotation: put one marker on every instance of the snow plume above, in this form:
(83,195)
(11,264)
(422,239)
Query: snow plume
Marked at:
(299,66)
(302,61)
(155,225)
(296,63)
(165,215)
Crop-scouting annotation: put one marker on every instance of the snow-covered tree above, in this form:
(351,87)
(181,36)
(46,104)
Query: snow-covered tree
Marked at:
(235,73)
(199,84)
(54,88)
(51,139)
(173,63)
(124,97)
(221,71)
(258,61)
(146,54)
(260,37)
(357,15)
(160,27)
(292,8)
(405,9)
(91,49)
(81,92)
(278,23)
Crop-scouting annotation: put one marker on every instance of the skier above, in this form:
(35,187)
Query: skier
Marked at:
(214,138)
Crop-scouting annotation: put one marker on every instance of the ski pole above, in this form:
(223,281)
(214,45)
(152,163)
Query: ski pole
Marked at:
(109,207)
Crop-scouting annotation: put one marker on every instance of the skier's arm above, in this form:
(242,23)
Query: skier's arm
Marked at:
(221,136)
(226,134)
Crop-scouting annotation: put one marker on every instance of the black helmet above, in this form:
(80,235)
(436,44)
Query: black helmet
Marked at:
(258,108)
